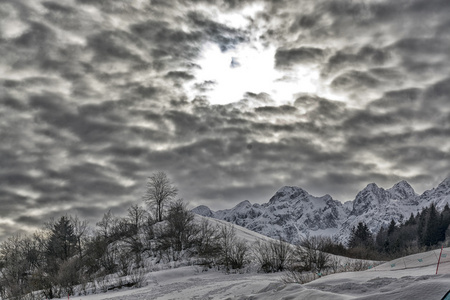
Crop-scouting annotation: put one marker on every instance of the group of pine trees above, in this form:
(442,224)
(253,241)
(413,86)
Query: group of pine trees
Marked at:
(420,232)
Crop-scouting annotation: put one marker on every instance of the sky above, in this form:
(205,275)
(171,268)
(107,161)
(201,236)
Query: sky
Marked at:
(231,99)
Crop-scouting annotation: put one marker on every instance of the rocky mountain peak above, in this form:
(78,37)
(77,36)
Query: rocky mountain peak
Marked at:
(370,197)
(371,187)
(445,185)
(243,204)
(402,190)
(203,210)
(287,193)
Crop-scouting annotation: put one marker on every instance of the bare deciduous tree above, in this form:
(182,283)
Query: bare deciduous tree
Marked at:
(232,250)
(136,217)
(159,191)
(79,229)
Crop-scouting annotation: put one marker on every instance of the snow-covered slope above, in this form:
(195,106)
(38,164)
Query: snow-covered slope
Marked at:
(382,282)
(293,212)
(411,277)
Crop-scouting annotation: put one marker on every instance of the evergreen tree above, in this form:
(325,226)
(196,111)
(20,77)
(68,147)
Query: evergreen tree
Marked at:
(432,229)
(445,222)
(62,242)
(411,220)
(421,223)
(360,236)
(381,240)
(391,227)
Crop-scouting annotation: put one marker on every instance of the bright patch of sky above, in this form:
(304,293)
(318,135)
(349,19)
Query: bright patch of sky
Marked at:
(250,68)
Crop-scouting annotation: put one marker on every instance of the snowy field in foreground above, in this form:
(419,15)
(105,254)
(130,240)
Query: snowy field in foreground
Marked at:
(190,283)
(387,281)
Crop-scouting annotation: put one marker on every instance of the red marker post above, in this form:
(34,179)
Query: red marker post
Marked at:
(439,260)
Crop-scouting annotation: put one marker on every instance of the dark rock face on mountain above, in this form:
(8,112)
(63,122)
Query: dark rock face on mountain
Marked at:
(292,212)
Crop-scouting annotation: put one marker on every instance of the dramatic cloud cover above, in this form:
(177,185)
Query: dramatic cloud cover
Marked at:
(232,99)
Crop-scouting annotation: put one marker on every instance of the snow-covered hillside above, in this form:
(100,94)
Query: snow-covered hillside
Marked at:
(188,283)
(293,212)
(411,277)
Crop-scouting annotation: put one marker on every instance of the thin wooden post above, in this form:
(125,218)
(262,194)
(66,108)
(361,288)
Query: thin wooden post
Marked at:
(439,260)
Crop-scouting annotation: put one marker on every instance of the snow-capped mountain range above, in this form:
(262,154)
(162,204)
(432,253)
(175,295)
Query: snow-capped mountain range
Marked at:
(292,212)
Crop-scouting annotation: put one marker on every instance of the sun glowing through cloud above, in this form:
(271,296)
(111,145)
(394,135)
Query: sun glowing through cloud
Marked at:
(251,69)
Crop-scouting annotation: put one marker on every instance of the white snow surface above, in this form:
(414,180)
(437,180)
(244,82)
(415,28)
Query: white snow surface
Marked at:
(190,283)
(411,277)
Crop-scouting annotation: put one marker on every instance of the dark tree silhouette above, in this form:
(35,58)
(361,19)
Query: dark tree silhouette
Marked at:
(159,192)
(432,227)
(391,228)
(62,242)
(360,236)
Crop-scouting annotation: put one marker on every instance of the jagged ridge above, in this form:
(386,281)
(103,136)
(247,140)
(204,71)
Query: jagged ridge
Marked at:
(292,212)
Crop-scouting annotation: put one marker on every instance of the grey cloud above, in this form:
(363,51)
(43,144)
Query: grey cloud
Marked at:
(439,91)
(367,56)
(369,121)
(13,103)
(111,106)
(442,29)
(7,231)
(394,140)
(417,69)
(348,8)
(284,109)
(37,36)
(11,203)
(304,21)
(15,178)
(337,180)
(391,75)
(131,152)
(179,75)
(425,46)
(319,108)
(307,100)
(205,85)
(225,37)
(59,8)
(161,33)
(29,220)
(398,98)
(225,198)
(422,155)
(301,55)
(355,80)
(90,212)
(112,45)
(272,128)
(262,98)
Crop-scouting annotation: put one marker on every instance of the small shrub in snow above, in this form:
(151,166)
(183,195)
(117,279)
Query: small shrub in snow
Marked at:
(273,256)
(233,251)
